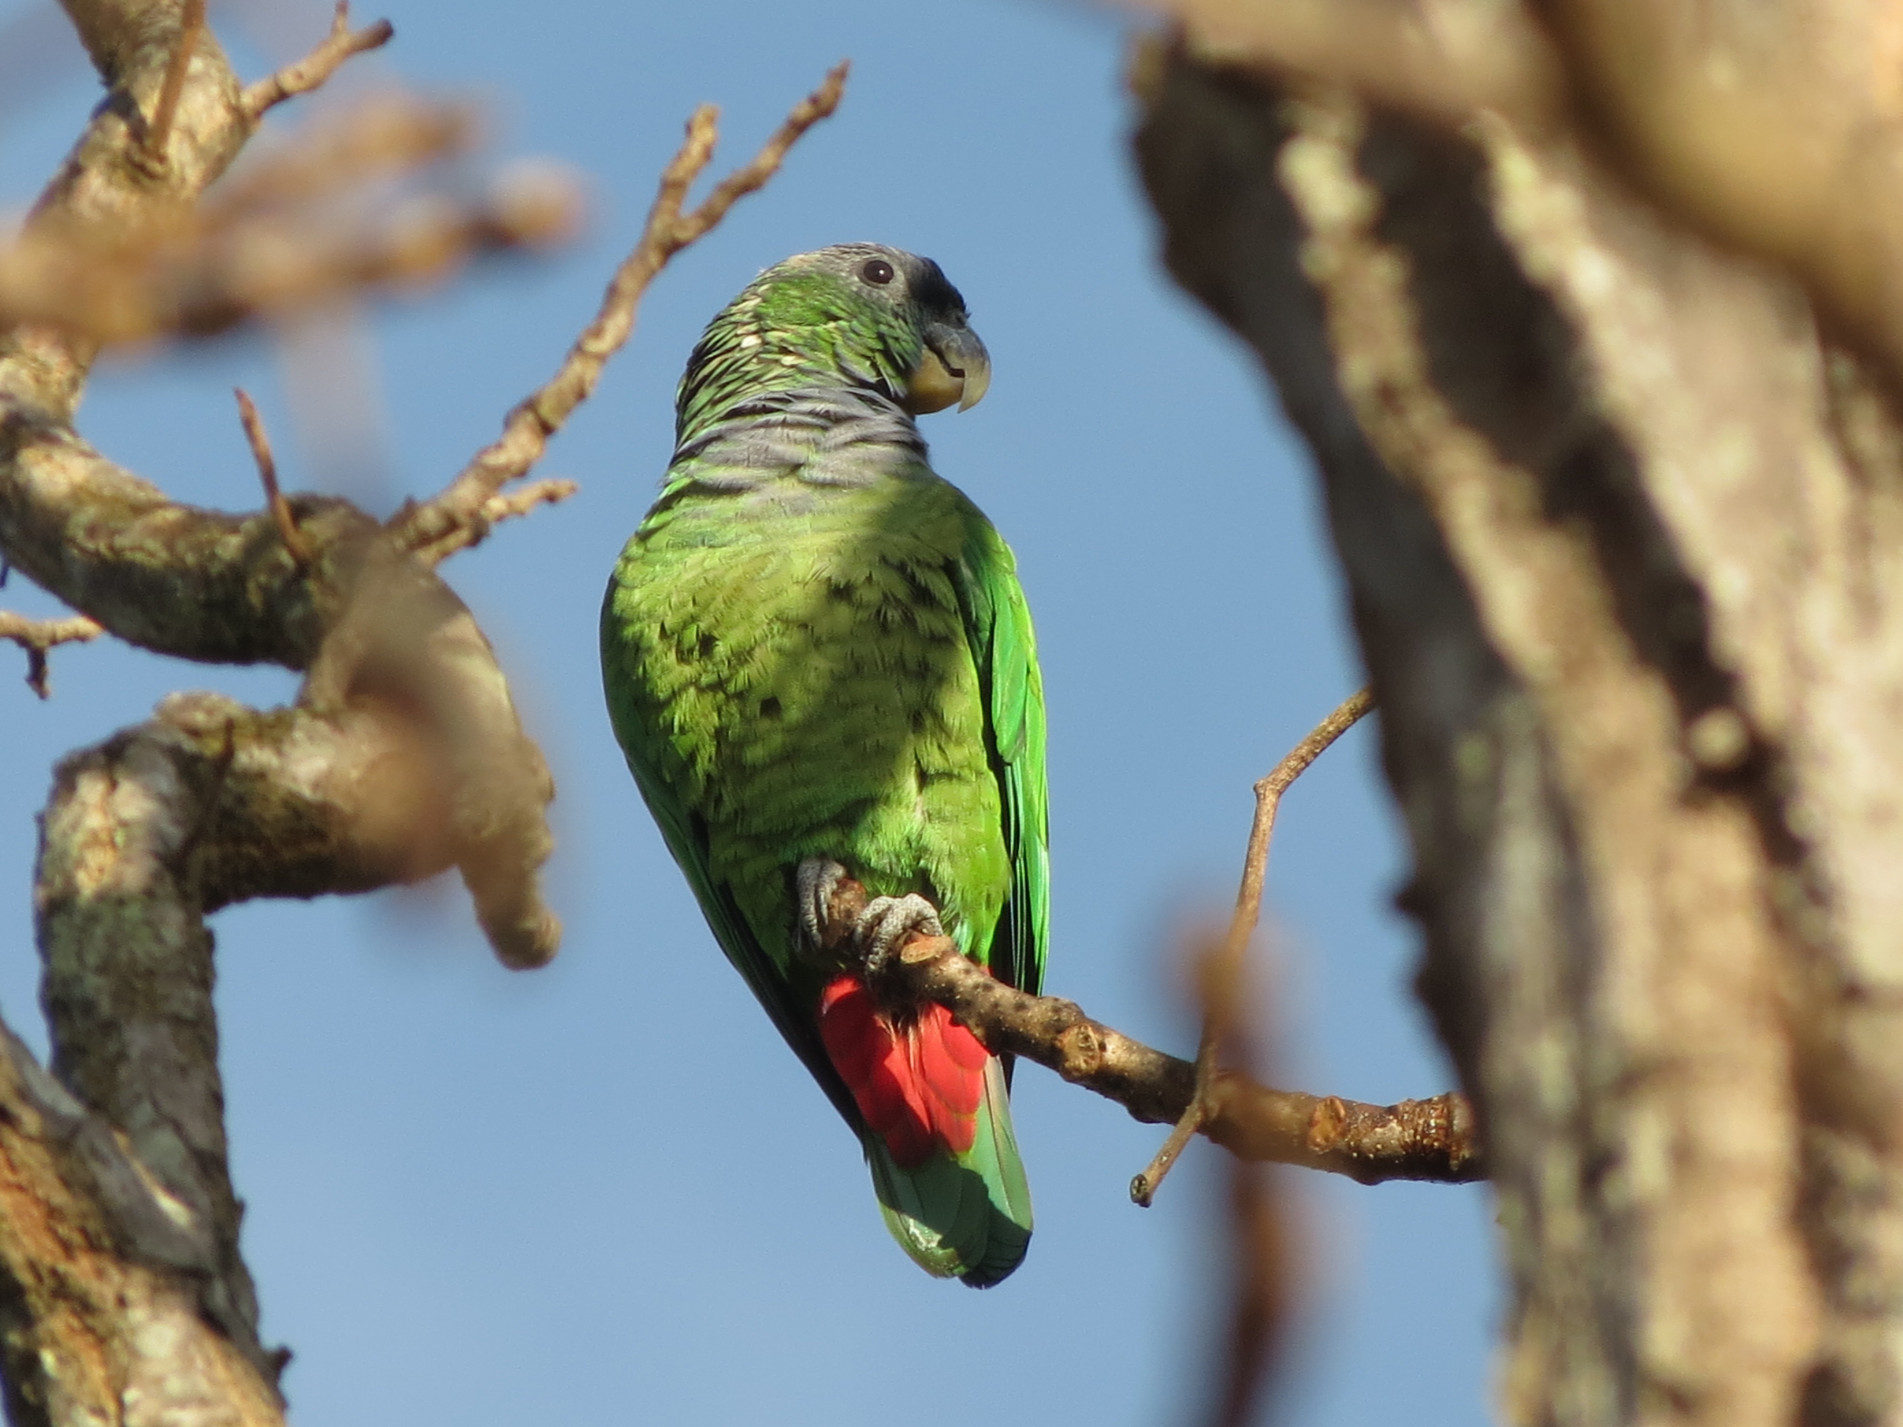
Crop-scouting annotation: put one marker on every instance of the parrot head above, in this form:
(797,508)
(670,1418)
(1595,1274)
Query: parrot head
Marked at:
(856,313)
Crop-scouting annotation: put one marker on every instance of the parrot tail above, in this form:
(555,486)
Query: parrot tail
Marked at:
(937,1133)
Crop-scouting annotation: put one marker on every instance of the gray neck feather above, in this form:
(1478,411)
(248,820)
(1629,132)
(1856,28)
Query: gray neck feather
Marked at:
(816,436)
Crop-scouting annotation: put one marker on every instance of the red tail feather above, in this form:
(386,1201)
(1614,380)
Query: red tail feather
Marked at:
(917,1079)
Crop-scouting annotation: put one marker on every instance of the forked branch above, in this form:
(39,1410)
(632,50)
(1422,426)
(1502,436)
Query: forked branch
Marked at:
(36,636)
(1223,971)
(319,65)
(458,516)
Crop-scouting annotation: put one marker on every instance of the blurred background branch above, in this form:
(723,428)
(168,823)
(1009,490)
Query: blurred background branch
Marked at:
(348,209)
(1580,377)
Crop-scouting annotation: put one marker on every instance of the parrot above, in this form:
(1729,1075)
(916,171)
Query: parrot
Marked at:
(819,663)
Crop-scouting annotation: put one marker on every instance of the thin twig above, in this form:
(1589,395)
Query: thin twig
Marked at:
(304,75)
(191,23)
(36,636)
(454,519)
(268,475)
(498,508)
(1268,795)
(1224,968)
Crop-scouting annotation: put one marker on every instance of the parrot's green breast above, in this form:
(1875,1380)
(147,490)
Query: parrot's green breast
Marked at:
(813,675)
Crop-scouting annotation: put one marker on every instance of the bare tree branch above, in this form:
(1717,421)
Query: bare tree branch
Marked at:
(1260,1266)
(405,638)
(101,1316)
(202,585)
(311,71)
(454,519)
(107,187)
(1772,130)
(36,636)
(508,505)
(1257,1252)
(175,579)
(1416,1139)
(208,804)
(383,135)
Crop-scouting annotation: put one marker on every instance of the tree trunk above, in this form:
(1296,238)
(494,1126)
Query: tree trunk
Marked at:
(1622,529)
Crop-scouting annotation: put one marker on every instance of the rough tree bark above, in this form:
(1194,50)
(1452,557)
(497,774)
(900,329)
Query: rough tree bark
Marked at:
(123,1297)
(1613,465)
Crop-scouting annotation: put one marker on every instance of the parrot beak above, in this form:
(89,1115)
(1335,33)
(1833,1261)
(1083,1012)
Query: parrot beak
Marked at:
(953,367)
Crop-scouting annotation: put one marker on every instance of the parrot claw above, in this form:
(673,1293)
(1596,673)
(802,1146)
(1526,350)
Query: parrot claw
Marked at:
(816,880)
(885,924)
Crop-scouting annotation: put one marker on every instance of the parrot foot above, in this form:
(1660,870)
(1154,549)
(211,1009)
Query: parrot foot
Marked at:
(816,880)
(887,922)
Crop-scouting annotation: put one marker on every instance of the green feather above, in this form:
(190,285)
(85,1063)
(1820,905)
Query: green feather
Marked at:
(814,647)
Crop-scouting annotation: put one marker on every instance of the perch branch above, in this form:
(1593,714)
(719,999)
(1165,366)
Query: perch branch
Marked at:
(1224,970)
(319,65)
(1415,1139)
(36,636)
(455,518)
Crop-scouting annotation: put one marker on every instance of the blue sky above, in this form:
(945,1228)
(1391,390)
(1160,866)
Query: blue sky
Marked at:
(605,1191)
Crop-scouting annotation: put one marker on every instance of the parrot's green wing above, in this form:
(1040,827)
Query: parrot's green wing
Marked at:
(999,626)
(947,1220)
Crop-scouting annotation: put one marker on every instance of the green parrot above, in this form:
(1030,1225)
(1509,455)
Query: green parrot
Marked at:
(819,664)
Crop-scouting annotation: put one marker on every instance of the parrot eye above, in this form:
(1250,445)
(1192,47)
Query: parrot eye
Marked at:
(877,270)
